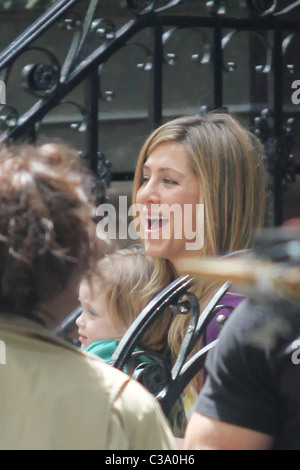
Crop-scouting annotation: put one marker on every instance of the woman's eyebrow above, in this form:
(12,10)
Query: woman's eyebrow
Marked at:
(162,169)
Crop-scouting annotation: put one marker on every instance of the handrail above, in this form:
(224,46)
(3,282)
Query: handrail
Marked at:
(174,381)
(81,71)
(169,295)
(35,30)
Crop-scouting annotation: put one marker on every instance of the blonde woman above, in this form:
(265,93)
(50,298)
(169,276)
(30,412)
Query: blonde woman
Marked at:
(201,177)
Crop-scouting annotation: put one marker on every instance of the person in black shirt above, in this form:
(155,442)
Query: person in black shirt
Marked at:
(251,397)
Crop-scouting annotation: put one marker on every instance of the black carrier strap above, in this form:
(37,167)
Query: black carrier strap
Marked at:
(166,382)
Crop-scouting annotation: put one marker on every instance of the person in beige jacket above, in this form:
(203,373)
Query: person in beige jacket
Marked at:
(52,395)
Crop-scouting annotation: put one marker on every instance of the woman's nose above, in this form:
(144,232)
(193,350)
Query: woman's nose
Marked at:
(149,193)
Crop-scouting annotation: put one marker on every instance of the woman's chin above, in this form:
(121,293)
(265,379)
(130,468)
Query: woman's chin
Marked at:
(156,248)
(163,249)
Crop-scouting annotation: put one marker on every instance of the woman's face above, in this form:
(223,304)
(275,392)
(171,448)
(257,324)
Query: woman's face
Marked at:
(168,200)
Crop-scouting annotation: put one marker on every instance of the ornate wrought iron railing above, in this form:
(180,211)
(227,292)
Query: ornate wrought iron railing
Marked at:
(271,28)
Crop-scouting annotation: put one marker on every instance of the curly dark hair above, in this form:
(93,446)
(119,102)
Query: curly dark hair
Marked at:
(47,231)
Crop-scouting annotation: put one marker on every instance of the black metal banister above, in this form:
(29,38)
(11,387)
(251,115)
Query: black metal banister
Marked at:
(83,70)
(103,52)
(35,30)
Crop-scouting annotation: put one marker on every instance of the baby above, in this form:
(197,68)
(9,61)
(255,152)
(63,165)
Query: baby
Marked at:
(112,298)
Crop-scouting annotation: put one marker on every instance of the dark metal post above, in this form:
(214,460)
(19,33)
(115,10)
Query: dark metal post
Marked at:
(91,105)
(278,121)
(218,65)
(156,91)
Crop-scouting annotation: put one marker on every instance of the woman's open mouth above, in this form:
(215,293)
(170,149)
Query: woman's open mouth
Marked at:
(155,223)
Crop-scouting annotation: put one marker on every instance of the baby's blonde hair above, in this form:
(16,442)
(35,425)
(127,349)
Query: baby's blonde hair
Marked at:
(125,276)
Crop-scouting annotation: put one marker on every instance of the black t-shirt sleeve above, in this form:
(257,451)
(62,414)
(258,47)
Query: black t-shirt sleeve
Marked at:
(241,385)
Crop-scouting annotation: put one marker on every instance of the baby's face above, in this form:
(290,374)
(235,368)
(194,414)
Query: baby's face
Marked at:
(94,323)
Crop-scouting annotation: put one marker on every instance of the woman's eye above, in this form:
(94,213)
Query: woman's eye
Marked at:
(170,181)
(144,179)
(91,313)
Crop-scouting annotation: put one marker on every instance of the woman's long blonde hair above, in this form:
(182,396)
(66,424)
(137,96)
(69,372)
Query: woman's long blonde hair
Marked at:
(228,162)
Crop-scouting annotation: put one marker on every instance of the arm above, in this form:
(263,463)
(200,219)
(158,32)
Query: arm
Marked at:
(204,433)
(239,406)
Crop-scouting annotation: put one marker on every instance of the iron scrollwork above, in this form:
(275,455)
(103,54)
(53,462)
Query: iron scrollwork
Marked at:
(84,31)
(142,7)
(104,170)
(200,58)
(216,7)
(145,65)
(8,116)
(285,157)
(270,7)
(262,7)
(230,66)
(45,77)
(287,43)
(278,148)
(41,79)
